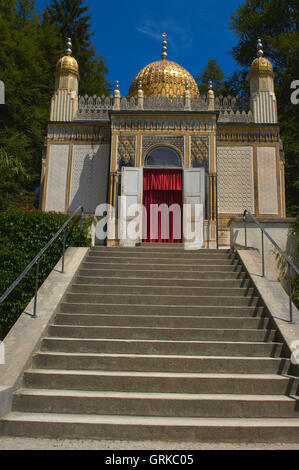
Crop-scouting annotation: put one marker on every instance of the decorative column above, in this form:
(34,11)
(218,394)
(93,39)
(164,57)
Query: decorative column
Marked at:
(111,224)
(211,97)
(212,184)
(116,104)
(140,96)
(187,106)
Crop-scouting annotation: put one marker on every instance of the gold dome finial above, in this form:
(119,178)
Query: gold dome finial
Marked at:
(67,63)
(164,47)
(260,65)
(260,51)
(68,46)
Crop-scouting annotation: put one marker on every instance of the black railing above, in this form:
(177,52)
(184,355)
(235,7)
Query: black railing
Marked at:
(290,264)
(36,260)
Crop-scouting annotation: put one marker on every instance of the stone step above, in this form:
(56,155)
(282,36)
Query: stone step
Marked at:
(158,342)
(147,281)
(160,347)
(158,246)
(155,404)
(189,264)
(80,426)
(184,334)
(160,382)
(127,273)
(186,310)
(157,321)
(161,290)
(160,363)
(197,255)
(159,300)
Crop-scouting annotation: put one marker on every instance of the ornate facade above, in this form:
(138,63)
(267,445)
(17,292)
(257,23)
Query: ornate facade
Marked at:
(231,147)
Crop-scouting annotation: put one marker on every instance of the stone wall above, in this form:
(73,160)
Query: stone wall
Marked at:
(77,175)
(89,176)
(57,177)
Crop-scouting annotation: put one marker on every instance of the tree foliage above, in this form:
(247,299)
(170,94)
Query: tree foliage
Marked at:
(31,44)
(27,71)
(212,72)
(13,177)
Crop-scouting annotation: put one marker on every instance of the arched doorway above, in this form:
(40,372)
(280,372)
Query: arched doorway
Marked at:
(162,196)
(163,157)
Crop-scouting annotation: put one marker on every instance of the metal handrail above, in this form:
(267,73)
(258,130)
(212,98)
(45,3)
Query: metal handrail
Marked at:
(282,253)
(36,260)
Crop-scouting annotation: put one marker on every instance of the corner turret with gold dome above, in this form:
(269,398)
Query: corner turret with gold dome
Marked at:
(164,78)
(64,103)
(262,94)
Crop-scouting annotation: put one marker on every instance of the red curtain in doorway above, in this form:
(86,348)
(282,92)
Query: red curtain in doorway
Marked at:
(162,189)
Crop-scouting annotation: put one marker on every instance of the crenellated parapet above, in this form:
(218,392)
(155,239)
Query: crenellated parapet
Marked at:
(235,116)
(97,108)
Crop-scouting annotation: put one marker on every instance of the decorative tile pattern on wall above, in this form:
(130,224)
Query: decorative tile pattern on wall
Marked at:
(89,176)
(267,180)
(235,179)
(126,149)
(57,178)
(176,124)
(200,150)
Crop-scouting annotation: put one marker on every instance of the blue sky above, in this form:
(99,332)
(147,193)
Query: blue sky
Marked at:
(128,34)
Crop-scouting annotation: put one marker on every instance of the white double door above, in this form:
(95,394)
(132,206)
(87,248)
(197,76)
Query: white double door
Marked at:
(132,211)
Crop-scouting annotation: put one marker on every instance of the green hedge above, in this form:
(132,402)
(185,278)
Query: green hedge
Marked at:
(22,235)
(283,266)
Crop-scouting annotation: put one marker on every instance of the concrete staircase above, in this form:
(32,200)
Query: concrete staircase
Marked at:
(155,342)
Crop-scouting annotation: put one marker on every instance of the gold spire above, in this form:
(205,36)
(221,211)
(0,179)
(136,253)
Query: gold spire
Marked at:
(260,51)
(164,47)
(68,46)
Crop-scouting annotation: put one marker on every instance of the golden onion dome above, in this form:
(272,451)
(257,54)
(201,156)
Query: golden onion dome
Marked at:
(260,64)
(164,78)
(67,63)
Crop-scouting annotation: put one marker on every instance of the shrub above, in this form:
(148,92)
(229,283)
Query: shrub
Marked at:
(22,235)
(283,266)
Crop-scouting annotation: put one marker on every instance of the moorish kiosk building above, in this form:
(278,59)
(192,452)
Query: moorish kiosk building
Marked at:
(164,143)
